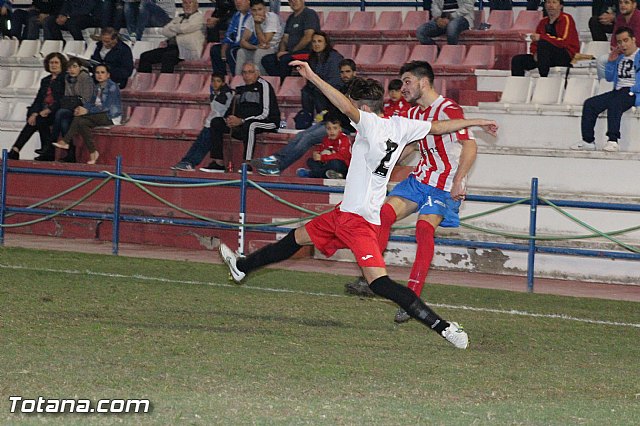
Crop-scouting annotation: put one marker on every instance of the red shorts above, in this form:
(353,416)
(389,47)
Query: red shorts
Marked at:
(336,229)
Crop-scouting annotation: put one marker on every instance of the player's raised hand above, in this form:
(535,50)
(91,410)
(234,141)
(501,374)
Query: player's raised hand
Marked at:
(489,126)
(303,68)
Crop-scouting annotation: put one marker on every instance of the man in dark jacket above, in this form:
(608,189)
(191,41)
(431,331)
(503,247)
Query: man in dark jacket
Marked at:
(253,110)
(74,16)
(110,50)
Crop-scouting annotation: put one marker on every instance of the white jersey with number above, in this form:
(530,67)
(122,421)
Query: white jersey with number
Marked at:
(377,147)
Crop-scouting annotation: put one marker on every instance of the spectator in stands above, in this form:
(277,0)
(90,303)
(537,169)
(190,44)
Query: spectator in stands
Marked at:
(554,43)
(152,13)
(221,98)
(219,19)
(111,15)
(623,68)
(41,113)
(331,159)
(448,17)
(629,17)
(6,13)
(268,33)
(324,60)
(74,16)
(104,109)
(78,90)
(116,54)
(296,41)
(603,15)
(27,22)
(185,34)
(224,53)
(274,164)
(254,110)
(396,104)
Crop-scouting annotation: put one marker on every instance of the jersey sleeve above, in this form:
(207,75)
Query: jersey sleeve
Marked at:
(414,130)
(455,112)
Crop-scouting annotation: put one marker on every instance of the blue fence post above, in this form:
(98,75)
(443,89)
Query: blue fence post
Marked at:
(243,208)
(115,238)
(3,195)
(532,233)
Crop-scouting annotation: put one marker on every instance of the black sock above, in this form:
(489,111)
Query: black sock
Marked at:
(407,299)
(273,253)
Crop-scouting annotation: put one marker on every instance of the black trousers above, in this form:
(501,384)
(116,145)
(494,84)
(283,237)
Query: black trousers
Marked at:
(43,126)
(598,31)
(168,57)
(247,133)
(548,56)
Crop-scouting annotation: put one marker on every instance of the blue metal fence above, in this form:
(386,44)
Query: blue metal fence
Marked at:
(243,185)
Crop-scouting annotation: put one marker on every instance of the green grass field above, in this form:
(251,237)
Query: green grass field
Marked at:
(291,348)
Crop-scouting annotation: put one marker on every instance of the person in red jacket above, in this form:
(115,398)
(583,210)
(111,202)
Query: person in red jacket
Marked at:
(554,43)
(331,159)
(396,104)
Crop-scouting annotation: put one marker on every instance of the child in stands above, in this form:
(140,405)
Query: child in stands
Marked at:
(396,104)
(332,158)
(221,97)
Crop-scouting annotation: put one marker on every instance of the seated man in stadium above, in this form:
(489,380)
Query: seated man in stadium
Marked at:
(628,16)
(623,68)
(296,41)
(254,110)
(114,53)
(223,54)
(266,27)
(448,17)
(221,97)
(185,38)
(554,43)
(74,16)
(274,164)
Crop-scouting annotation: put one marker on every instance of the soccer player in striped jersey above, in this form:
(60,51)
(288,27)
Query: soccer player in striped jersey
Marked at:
(355,222)
(437,185)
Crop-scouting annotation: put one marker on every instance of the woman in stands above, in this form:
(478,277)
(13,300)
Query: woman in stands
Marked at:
(104,109)
(78,89)
(41,113)
(324,60)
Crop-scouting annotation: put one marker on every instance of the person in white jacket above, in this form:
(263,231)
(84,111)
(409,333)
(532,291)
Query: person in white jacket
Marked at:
(185,39)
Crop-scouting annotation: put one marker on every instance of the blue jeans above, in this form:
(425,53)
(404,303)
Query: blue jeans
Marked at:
(199,149)
(61,124)
(150,15)
(299,145)
(615,102)
(428,30)
(131,12)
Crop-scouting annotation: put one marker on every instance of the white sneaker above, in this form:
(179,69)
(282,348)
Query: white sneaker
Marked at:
(611,146)
(584,146)
(456,335)
(230,258)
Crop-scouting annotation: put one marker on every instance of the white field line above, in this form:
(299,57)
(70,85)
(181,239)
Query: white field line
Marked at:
(310,293)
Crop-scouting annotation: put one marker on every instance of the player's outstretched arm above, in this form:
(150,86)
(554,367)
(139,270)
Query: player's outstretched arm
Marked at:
(333,95)
(450,126)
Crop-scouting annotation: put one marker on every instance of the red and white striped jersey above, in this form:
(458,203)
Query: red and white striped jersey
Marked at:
(439,154)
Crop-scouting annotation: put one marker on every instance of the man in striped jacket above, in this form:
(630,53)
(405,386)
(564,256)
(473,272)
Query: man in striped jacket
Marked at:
(437,185)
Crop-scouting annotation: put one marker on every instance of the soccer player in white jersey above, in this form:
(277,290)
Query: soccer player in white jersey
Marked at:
(436,187)
(355,222)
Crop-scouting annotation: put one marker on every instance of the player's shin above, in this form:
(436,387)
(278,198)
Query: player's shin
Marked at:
(273,253)
(424,256)
(407,299)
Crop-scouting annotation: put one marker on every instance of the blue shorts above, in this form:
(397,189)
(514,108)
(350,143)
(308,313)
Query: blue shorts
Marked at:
(430,200)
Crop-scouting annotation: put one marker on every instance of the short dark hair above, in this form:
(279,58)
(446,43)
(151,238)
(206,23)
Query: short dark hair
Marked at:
(420,69)
(395,84)
(63,61)
(105,66)
(367,92)
(110,31)
(218,75)
(624,30)
(347,63)
(254,2)
(331,117)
